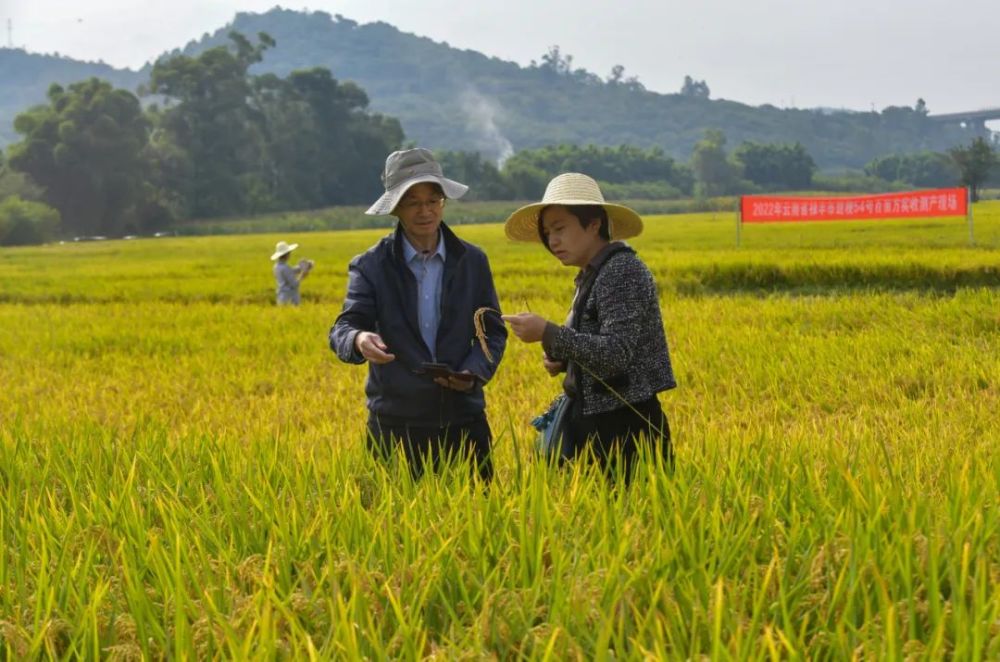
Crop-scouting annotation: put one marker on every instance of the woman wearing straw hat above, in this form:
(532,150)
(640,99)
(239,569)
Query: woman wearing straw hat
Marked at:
(288,276)
(612,348)
(410,313)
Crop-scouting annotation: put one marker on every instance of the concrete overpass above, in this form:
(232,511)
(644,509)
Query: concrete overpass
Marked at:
(973,119)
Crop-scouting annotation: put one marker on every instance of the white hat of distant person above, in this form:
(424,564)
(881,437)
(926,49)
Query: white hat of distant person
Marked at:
(572,188)
(406,168)
(282,248)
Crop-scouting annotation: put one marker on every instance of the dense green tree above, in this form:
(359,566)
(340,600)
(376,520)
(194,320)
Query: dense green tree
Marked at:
(484,179)
(169,181)
(885,167)
(714,173)
(207,116)
(619,165)
(13,182)
(85,150)
(323,146)
(905,121)
(351,143)
(526,181)
(776,167)
(975,163)
(238,143)
(922,169)
(23,222)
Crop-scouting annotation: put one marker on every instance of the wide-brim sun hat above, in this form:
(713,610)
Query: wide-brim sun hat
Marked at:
(407,168)
(572,188)
(282,248)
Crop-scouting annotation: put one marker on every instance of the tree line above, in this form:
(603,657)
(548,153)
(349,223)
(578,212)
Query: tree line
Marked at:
(629,172)
(216,141)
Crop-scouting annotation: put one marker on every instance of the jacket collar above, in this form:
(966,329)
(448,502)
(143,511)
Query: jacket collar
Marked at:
(454,248)
(410,253)
(602,256)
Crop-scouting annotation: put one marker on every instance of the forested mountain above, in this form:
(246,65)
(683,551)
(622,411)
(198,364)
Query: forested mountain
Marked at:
(454,99)
(25,78)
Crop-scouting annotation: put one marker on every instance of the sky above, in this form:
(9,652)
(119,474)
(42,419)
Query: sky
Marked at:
(858,54)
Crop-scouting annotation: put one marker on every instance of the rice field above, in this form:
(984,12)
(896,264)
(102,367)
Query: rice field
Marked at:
(182,471)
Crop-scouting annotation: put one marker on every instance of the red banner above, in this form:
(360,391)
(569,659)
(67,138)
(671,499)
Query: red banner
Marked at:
(914,204)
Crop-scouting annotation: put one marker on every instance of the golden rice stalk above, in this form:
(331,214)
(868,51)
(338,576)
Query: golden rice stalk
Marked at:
(477,320)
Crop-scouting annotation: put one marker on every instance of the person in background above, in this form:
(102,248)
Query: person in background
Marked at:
(612,348)
(288,276)
(410,313)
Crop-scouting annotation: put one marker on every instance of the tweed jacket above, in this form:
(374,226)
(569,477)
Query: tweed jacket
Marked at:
(616,334)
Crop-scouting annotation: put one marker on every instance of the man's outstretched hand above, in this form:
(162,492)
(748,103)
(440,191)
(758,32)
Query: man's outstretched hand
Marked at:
(370,346)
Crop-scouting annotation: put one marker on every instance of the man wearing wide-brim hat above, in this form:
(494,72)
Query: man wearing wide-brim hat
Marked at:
(410,313)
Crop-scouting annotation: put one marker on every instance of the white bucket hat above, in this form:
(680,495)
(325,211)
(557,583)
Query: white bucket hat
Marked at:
(572,188)
(405,168)
(281,248)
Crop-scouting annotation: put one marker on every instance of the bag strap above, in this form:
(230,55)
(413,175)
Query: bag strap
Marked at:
(583,292)
(571,383)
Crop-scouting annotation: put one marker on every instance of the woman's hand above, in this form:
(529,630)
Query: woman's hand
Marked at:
(553,367)
(529,327)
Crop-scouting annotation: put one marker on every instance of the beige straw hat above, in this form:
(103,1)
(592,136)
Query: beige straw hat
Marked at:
(572,188)
(281,248)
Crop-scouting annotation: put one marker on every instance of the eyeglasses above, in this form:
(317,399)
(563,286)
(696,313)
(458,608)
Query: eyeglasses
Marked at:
(413,205)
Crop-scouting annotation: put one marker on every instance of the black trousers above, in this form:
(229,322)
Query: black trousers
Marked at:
(615,437)
(432,446)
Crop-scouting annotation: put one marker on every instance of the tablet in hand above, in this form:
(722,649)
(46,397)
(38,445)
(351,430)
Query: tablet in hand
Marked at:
(442,370)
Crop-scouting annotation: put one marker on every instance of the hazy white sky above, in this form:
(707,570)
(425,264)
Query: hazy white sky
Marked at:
(805,53)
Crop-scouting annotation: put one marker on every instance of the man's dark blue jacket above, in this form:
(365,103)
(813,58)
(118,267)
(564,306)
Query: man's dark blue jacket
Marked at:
(382,297)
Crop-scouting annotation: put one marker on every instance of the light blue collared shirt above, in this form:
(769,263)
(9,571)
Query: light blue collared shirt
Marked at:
(288,283)
(428,270)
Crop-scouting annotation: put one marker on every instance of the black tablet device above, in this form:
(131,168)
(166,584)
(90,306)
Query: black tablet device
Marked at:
(435,370)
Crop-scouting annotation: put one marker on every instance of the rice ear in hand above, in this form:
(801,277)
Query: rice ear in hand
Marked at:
(477,320)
